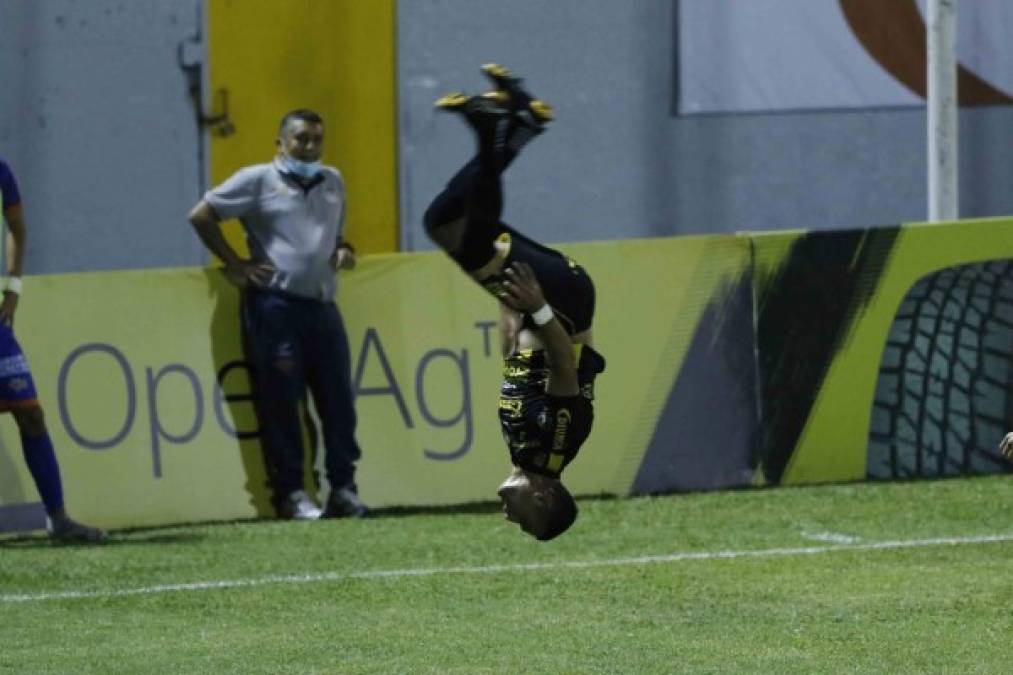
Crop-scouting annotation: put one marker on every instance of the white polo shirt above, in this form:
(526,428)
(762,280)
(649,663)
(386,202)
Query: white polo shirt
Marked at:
(290,227)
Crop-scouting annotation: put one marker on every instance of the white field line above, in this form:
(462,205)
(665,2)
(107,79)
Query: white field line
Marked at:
(832,537)
(324,577)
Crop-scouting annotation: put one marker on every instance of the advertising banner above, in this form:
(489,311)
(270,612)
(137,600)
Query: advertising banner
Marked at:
(767,359)
(148,398)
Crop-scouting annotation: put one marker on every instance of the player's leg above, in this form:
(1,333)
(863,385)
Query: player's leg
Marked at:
(18,396)
(463,219)
(329,376)
(40,457)
(465,214)
(273,352)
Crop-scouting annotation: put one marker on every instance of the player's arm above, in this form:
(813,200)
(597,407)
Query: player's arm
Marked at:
(14,215)
(16,249)
(524,293)
(240,272)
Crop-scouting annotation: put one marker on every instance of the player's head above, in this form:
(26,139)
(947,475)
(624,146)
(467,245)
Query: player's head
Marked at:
(540,505)
(301,135)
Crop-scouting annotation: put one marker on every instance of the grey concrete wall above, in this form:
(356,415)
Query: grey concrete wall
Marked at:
(96,121)
(618,163)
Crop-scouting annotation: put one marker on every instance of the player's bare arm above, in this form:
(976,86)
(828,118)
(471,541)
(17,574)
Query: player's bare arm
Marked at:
(14,216)
(524,293)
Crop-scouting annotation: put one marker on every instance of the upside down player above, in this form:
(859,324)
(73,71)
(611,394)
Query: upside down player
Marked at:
(546,308)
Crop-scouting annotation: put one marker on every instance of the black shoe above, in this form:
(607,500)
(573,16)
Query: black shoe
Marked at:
(528,115)
(67,531)
(487,114)
(482,112)
(528,109)
(345,503)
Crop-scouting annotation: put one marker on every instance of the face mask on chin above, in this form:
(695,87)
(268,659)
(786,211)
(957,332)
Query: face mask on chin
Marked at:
(300,168)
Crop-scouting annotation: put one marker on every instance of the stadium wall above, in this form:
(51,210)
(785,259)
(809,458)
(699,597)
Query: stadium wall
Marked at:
(97,118)
(619,162)
(97,123)
(751,359)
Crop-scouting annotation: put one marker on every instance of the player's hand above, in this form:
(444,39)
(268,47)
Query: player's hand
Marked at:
(521,288)
(248,273)
(1006,447)
(7,308)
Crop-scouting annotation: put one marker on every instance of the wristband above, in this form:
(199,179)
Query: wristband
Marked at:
(13,285)
(543,316)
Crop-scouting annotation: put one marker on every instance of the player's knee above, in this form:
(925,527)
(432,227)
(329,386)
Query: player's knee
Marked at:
(433,218)
(285,366)
(444,233)
(31,421)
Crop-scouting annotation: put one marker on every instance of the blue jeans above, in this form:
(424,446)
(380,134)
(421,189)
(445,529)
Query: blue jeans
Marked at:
(294,344)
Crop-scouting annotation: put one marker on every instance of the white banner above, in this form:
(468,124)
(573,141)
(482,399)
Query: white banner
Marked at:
(765,55)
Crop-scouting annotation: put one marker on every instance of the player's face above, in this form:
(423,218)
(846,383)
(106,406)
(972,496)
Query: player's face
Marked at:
(302,140)
(523,503)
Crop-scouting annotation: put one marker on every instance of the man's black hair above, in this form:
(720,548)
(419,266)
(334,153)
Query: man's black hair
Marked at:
(302,114)
(563,514)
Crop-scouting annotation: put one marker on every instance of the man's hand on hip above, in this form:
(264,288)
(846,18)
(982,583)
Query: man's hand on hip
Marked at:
(248,273)
(1006,447)
(343,259)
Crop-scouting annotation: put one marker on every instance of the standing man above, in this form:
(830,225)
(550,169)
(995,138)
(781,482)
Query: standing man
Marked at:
(292,210)
(546,301)
(17,389)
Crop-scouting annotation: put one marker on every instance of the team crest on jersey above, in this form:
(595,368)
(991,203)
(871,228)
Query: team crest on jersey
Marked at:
(13,365)
(17,384)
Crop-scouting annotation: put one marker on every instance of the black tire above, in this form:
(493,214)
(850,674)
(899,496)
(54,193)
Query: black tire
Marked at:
(943,395)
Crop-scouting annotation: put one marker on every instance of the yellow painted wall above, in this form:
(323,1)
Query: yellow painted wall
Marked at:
(334,56)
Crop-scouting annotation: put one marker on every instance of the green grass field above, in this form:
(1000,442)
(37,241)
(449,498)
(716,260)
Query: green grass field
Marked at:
(882,578)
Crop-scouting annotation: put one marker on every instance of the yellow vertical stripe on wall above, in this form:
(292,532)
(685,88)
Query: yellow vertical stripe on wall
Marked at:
(334,56)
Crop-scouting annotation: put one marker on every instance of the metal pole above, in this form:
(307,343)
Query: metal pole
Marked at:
(942,110)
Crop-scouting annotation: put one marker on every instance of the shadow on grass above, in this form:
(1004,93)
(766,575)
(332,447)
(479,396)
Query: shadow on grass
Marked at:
(866,482)
(122,538)
(163,534)
(469,508)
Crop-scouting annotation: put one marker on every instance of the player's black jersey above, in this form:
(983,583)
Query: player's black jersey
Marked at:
(568,288)
(543,432)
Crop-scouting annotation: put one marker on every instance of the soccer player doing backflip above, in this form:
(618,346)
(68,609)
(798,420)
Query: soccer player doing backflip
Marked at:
(546,304)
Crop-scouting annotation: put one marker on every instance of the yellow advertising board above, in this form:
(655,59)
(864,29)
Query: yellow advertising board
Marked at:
(731,360)
(146,394)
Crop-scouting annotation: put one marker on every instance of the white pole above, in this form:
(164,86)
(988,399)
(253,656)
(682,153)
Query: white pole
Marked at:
(942,109)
